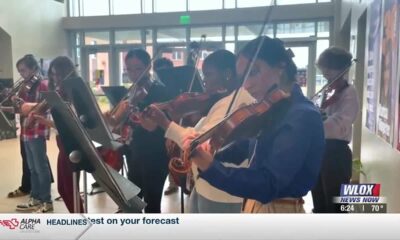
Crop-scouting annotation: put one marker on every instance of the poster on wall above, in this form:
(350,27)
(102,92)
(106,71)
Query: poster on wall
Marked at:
(388,83)
(373,65)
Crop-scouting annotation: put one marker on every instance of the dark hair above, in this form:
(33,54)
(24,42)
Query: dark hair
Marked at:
(64,68)
(223,60)
(272,52)
(334,58)
(162,63)
(29,61)
(140,54)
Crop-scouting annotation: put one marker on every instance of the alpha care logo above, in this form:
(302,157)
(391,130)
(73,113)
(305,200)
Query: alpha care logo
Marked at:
(10,223)
(28,224)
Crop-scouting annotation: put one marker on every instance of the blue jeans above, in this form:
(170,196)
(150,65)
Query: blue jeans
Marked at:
(200,204)
(38,164)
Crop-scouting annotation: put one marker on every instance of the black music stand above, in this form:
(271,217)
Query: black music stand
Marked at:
(85,104)
(177,79)
(114,93)
(84,156)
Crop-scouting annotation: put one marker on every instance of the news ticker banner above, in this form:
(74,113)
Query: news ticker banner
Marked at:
(200,226)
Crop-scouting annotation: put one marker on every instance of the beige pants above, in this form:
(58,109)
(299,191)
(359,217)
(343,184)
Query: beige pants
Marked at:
(253,206)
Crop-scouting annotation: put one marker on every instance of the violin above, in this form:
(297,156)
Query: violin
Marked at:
(329,87)
(138,93)
(38,109)
(29,84)
(326,102)
(244,123)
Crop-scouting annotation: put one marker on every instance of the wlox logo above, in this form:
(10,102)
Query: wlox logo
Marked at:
(360,193)
(360,190)
(10,223)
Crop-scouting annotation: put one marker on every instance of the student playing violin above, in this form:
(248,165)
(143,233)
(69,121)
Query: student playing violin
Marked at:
(341,111)
(219,76)
(146,156)
(285,158)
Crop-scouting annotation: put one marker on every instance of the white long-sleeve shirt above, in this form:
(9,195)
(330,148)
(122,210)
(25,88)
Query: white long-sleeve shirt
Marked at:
(178,133)
(341,115)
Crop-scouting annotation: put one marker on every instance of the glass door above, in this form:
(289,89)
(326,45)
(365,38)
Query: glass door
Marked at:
(97,66)
(304,58)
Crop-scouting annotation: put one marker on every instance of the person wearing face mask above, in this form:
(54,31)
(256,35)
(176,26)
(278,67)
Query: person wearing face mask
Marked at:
(285,158)
(219,76)
(340,110)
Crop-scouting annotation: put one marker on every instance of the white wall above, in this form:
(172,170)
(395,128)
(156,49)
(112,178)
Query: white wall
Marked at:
(35,27)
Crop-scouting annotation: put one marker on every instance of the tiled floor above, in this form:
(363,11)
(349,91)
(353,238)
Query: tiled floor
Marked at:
(10,174)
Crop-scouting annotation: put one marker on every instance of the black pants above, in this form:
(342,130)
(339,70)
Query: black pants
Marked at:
(26,174)
(149,174)
(336,169)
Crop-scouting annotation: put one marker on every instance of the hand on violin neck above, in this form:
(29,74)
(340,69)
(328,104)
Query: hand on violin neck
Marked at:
(202,157)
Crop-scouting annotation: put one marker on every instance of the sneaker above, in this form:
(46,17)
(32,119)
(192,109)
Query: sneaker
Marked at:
(32,205)
(170,190)
(16,193)
(45,208)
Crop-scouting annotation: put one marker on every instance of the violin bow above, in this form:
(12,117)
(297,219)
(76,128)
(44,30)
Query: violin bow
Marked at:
(206,135)
(202,41)
(250,64)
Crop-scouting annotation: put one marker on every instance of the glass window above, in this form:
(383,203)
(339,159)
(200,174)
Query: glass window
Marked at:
(177,54)
(147,6)
(295,30)
(97,38)
(195,5)
(320,1)
(169,6)
(212,33)
(171,35)
(149,35)
(125,7)
(253,3)
(323,29)
(230,3)
(74,8)
(230,47)
(322,44)
(77,39)
(78,59)
(230,33)
(128,37)
(301,60)
(98,71)
(290,2)
(251,31)
(95,7)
